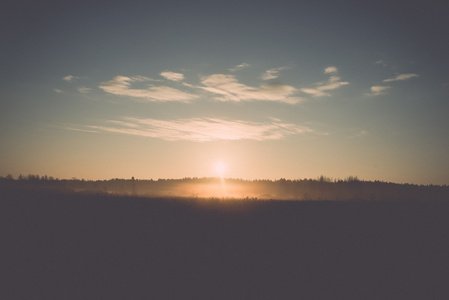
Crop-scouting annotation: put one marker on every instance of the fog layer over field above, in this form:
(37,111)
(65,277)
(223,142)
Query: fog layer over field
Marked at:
(323,188)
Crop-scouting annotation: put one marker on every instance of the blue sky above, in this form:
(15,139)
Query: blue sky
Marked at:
(271,89)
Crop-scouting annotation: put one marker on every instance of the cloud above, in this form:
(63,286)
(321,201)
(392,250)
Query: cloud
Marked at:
(202,129)
(320,88)
(229,89)
(224,87)
(172,76)
(81,129)
(238,67)
(401,77)
(272,73)
(84,90)
(330,70)
(377,90)
(140,78)
(57,91)
(70,78)
(121,85)
(381,62)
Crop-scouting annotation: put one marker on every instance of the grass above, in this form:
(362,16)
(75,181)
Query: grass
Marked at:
(67,245)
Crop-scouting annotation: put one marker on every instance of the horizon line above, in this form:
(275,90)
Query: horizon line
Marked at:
(321,179)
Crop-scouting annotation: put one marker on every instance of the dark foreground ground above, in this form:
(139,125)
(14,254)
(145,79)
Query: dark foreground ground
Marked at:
(78,246)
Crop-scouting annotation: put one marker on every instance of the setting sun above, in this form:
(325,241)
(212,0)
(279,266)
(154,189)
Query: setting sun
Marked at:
(220,168)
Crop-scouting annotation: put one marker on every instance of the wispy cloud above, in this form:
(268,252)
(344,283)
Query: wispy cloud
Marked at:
(84,90)
(172,76)
(229,89)
(121,85)
(377,90)
(82,129)
(70,78)
(201,129)
(331,70)
(57,91)
(272,73)
(238,67)
(401,77)
(381,63)
(321,88)
(140,78)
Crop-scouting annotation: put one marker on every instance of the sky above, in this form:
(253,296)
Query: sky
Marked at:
(241,89)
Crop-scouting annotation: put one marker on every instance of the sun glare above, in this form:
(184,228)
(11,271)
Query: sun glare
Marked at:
(220,168)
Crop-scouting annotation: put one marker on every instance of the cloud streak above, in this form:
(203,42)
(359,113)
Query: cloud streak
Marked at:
(121,85)
(381,62)
(401,77)
(201,129)
(172,76)
(84,90)
(321,88)
(272,73)
(238,67)
(377,90)
(69,78)
(227,88)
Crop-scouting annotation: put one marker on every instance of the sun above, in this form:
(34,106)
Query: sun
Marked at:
(220,168)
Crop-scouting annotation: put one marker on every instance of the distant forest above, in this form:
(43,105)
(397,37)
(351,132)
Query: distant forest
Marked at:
(322,188)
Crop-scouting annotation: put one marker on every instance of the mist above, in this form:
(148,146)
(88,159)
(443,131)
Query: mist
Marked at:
(322,188)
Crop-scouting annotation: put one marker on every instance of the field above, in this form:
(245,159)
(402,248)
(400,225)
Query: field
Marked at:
(75,245)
